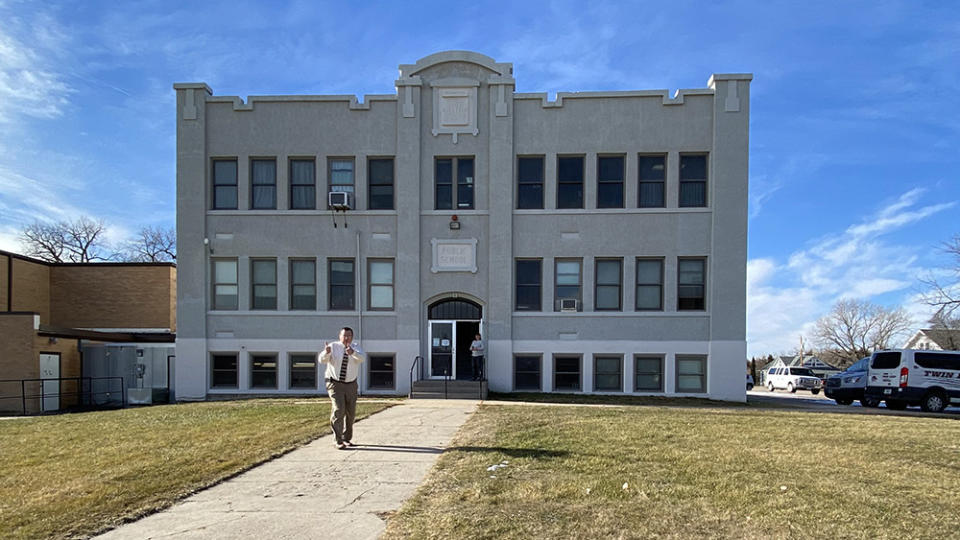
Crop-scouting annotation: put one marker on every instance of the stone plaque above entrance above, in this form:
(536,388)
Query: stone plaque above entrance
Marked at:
(454,255)
(455,107)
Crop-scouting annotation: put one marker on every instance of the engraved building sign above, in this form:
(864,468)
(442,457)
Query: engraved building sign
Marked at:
(454,255)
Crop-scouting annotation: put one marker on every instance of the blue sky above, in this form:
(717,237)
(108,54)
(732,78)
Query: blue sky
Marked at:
(855,138)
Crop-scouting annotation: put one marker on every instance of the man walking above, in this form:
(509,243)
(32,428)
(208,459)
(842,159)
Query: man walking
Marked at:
(343,361)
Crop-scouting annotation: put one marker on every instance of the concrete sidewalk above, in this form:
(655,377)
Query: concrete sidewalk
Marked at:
(318,491)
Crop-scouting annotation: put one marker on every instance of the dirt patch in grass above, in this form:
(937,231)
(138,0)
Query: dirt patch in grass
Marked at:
(75,474)
(673,472)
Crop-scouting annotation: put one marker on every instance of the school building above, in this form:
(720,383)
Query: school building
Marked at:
(597,240)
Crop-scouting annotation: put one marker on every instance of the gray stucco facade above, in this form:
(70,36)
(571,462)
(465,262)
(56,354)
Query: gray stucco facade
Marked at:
(239,236)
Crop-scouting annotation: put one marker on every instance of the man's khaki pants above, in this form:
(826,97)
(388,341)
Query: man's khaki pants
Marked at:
(343,397)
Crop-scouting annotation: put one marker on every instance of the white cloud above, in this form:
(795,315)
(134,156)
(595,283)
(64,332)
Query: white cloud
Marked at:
(785,299)
(28,84)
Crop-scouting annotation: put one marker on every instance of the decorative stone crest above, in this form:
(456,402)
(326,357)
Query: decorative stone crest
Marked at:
(455,107)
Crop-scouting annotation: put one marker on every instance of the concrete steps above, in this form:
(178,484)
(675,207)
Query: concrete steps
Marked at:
(434,389)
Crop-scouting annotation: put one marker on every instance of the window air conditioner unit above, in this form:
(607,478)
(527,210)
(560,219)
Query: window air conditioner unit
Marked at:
(568,304)
(340,200)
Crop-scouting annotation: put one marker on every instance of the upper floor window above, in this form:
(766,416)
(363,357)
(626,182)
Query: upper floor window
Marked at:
(690,284)
(610,182)
(380,184)
(263,187)
(649,284)
(449,195)
(303,284)
(693,180)
(225,284)
(528,280)
(609,277)
(342,288)
(225,184)
(264,272)
(380,277)
(568,283)
(651,173)
(342,177)
(303,184)
(530,182)
(570,182)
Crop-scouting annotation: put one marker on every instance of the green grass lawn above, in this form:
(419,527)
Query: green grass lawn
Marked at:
(690,472)
(75,474)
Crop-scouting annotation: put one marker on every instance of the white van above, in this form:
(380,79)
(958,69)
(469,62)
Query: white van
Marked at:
(901,377)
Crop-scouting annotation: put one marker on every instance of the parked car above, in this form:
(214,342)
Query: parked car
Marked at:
(793,379)
(847,386)
(902,377)
(749,382)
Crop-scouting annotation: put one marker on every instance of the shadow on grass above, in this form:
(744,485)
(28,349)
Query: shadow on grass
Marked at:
(395,448)
(537,453)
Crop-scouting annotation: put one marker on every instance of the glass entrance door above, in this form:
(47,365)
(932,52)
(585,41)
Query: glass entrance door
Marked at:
(443,349)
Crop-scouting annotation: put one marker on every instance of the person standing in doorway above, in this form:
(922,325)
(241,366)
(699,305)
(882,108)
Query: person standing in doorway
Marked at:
(476,357)
(343,359)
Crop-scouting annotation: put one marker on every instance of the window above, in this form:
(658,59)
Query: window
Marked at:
(568,284)
(225,184)
(693,181)
(341,176)
(264,272)
(608,373)
(609,277)
(886,360)
(528,281)
(570,182)
(610,182)
(303,284)
(526,372)
(263,371)
(690,280)
(225,284)
(648,374)
(651,175)
(691,374)
(224,371)
(382,369)
(341,284)
(530,182)
(380,287)
(303,371)
(380,184)
(566,373)
(263,187)
(303,184)
(935,360)
(447,195)
(649,284)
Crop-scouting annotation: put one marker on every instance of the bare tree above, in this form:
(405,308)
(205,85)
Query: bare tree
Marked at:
(153,245)
(945,294)
(855,328)
(79,241)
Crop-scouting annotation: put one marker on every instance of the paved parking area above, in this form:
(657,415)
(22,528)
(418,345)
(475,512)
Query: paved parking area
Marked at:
(806,400)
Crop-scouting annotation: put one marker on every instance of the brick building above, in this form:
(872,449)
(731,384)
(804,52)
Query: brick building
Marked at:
(48,309)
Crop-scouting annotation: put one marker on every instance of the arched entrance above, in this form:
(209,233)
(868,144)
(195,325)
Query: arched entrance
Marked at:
(453,323)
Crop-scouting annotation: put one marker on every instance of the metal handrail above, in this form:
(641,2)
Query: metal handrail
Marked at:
(483,377)
(416,361)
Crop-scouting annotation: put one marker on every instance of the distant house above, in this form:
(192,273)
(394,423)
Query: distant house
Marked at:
(935,340)
(817,366)
(50,312)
